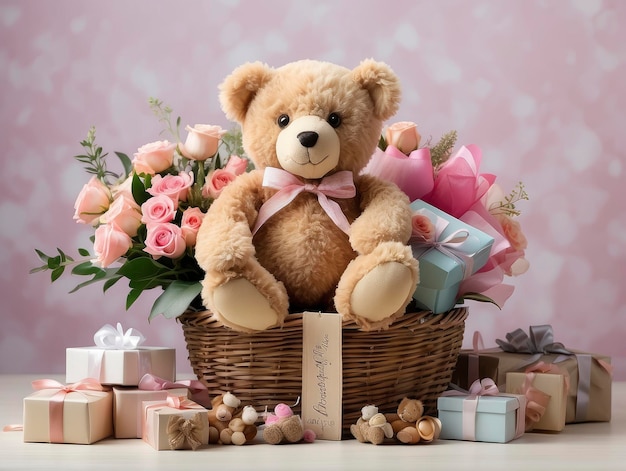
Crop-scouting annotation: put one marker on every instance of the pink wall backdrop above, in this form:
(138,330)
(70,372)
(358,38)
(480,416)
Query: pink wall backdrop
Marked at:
(538,85)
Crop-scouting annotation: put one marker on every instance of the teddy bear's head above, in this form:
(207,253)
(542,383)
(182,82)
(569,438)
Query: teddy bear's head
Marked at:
(309,117)
(409,410)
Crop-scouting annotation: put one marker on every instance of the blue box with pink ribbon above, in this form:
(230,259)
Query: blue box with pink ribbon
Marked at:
(482,414)
(448,250)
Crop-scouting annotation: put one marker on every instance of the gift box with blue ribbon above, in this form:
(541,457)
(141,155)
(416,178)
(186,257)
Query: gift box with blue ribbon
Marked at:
(455,251)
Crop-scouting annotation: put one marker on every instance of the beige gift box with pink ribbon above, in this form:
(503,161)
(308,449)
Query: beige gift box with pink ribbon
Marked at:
(177,423)
(81,413)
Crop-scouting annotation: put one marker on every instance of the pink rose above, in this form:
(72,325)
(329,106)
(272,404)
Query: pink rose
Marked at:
(190,224)
(403,135)
(174,186)
(202,141)
(110,243)
(216,182)
(422,229)
(236,165)
(154,157)
(92,201)
(165,240)
(124,212)
(413,174)
(458,183)
(158,209)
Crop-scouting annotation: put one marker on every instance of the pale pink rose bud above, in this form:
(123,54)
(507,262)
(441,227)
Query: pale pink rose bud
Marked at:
(175,186)
(513,232)
(154,157)
(403,135)
(125,187)
(110,243)
(422,229)
(92,201)
(236,165)
(165,240)
(190,224)
(202,141)
(125,213)
(157,210)
(216,181)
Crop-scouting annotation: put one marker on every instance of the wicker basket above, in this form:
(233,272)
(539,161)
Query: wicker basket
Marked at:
(414,357)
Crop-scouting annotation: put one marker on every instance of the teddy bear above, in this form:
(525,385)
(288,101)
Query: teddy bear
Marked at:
(283,426)
(409,424)
(372,426)
(229,423)
(306,230)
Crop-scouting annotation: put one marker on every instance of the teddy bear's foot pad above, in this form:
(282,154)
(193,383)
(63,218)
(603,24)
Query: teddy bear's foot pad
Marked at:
(382,291)
(240,304)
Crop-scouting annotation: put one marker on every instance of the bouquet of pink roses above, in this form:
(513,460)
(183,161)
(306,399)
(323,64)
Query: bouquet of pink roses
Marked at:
(146,218)
(451,181)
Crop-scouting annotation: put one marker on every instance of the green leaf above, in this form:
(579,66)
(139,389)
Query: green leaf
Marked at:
(56,273)
(175,299)
(132,296)
(126,163)
(139,190)
(110,282)
(142,268)
(102,275)
(86,269)
(84,252)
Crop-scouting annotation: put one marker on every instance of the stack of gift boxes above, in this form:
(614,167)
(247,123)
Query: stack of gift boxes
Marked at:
(542,386)
(527,383)
(119,388)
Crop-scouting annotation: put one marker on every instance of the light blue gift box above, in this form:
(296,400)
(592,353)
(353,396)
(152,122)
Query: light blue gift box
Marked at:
(495,419)
(442,274)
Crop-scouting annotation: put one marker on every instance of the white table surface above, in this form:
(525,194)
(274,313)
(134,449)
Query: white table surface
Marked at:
(589,446)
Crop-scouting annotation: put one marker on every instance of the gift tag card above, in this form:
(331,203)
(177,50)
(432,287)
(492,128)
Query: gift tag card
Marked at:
(322,375)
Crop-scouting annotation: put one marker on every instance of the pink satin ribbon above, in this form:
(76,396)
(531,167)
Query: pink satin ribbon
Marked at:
(483,387)
(55,410)
(536,400)
(337,185)
(199,392)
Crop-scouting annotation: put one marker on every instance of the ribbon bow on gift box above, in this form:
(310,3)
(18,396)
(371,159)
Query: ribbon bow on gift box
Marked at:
(199,392)
(181,430)
(115,338)
(541,341)
(450,245)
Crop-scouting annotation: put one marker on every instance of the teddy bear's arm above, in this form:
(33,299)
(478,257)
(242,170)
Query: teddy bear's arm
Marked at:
(386,215)
(225,239)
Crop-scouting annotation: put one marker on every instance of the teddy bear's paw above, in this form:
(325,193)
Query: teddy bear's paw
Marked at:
(240,305)
(356,433)
(382,292)
(238,438)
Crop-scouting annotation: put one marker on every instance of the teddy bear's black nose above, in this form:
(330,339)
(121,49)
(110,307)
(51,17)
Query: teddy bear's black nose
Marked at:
(308,138)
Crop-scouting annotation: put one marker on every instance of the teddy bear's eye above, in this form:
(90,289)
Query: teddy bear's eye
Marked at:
(283,120)
(334,120)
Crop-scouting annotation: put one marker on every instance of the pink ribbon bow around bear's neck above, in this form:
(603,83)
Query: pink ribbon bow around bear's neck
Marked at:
(337,185)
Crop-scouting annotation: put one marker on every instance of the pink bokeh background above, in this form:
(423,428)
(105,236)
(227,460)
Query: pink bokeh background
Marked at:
(538,85)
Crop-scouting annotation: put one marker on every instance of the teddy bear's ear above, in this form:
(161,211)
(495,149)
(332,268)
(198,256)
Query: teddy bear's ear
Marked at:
(382,84)
(239,88)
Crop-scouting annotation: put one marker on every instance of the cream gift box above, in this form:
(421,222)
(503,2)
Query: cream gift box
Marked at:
(549,385)
(118,358)
(68,414)
(119,367)
(128,408)
(493,418)
(159,423)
